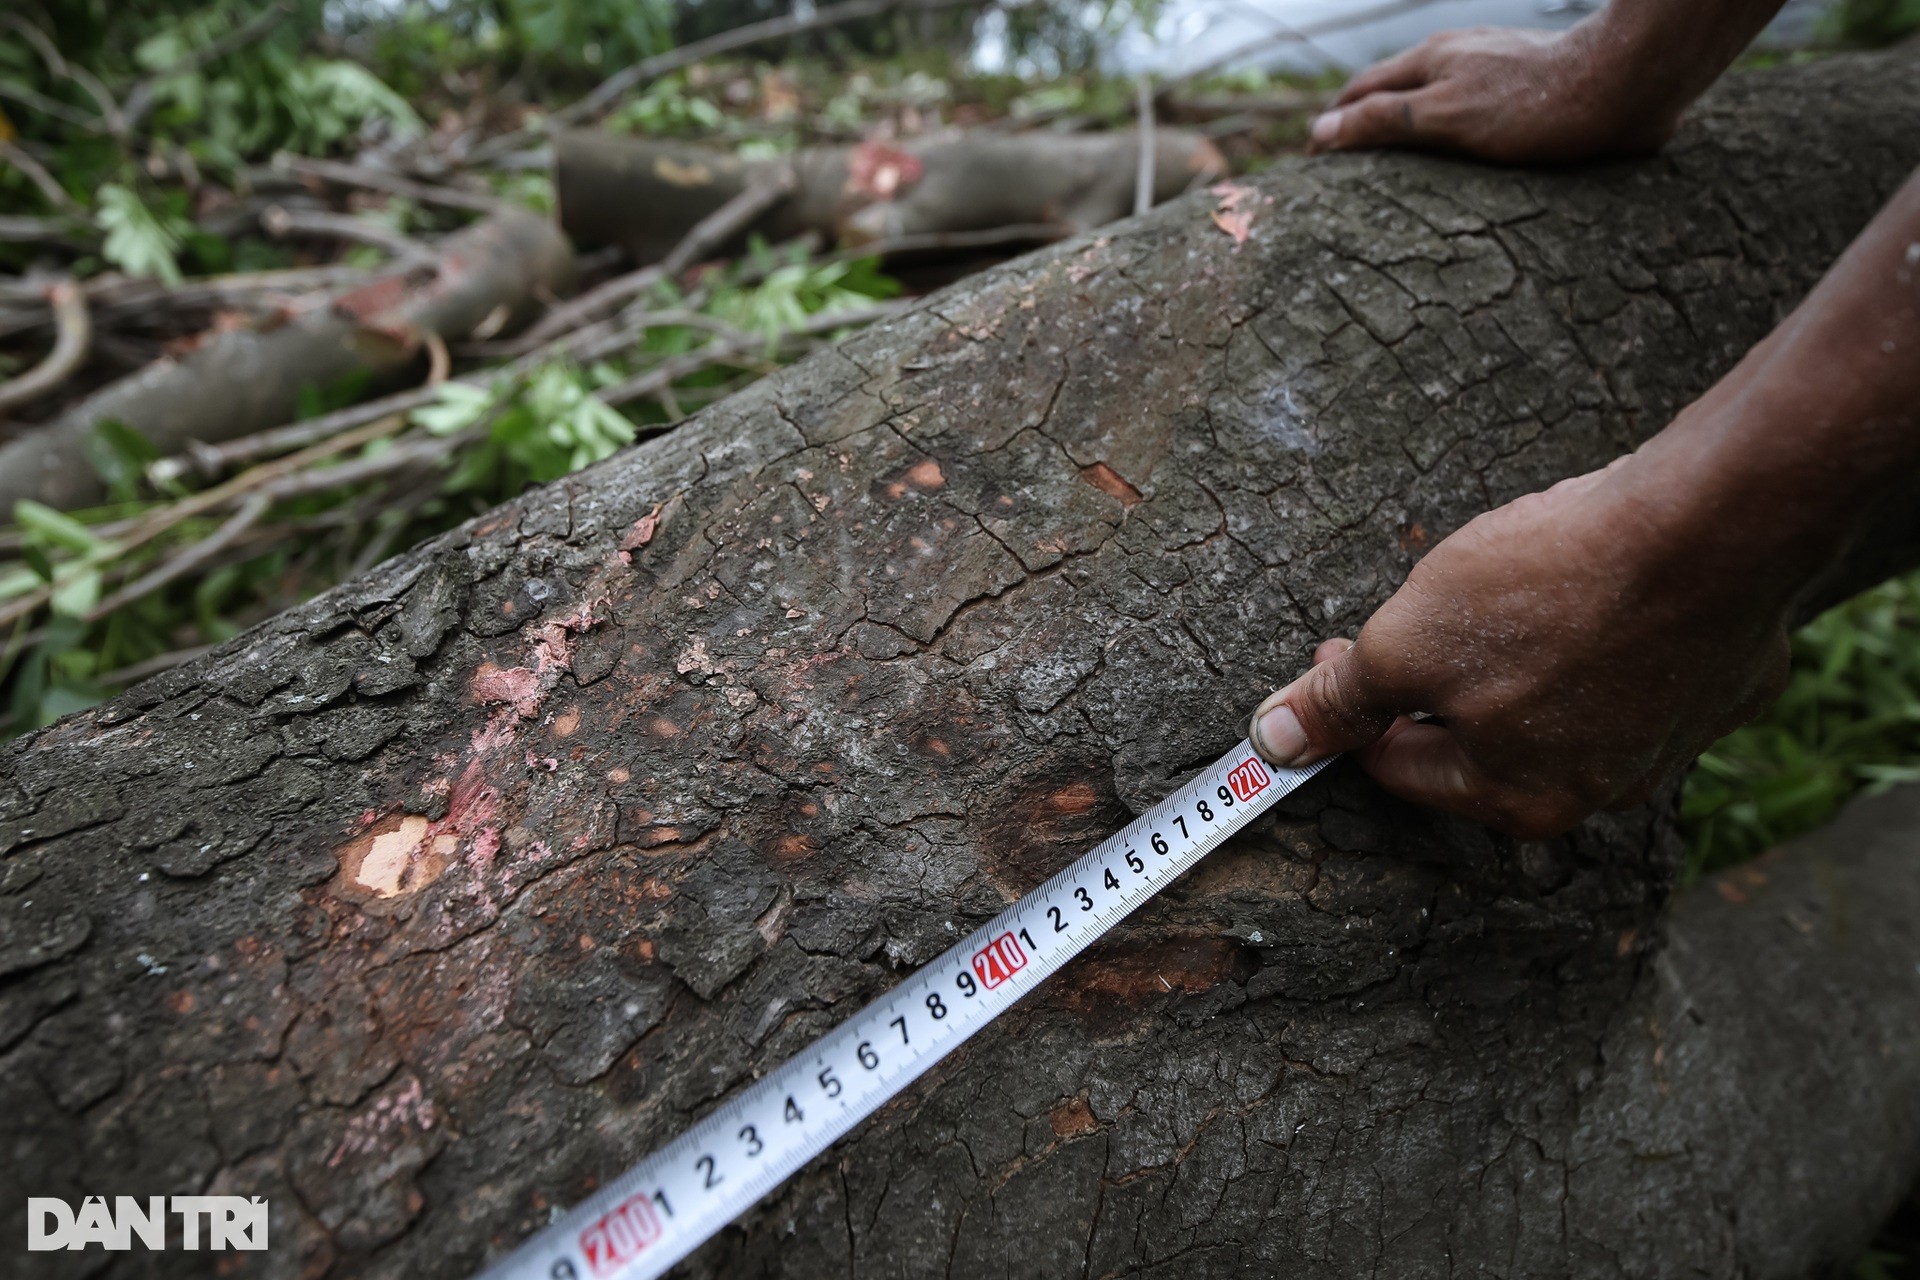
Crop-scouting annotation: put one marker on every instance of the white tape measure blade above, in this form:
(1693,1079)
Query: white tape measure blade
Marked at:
(654,1214)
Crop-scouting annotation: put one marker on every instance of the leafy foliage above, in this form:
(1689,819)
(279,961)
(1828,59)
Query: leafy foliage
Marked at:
(1848,721)
(139,240)
(501,437)
(666,108)
(539,427)
(793,289)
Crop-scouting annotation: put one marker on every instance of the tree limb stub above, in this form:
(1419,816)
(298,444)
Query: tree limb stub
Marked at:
(475,879)
(645,194)
(242,382)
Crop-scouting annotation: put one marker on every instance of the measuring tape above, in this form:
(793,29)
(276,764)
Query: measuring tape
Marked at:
(663,1208)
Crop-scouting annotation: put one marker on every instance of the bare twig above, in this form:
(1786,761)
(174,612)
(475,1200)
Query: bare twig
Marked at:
(439,362)
(611,89)
(146,528)
(110,114)
(1143,174)
(354,175)
(281,222)
(189,559)
(703,238)
(140,97)
(25,230)
(116,298)
(51,106)
(591,341)
(585,345)
(404,455)
(397,515)
(74,332)
(37,174)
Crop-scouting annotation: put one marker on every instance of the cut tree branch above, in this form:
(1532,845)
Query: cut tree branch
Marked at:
(240,382)
(645,194)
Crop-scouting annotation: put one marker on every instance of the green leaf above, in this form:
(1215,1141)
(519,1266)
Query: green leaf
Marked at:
(55,528)
(17,580)
(75,595)
(138,241)
(458,406)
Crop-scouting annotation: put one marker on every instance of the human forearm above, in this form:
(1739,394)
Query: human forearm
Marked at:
(1819,423)
(1579,645)
(1651,58)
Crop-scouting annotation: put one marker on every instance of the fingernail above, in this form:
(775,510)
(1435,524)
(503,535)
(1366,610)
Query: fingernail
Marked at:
(1326,128)
(1277,735)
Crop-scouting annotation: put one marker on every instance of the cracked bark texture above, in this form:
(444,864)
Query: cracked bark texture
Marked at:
(425,907)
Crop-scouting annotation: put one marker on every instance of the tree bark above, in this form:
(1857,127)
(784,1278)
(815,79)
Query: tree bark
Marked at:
(645,195)
(234,384)
(427,906)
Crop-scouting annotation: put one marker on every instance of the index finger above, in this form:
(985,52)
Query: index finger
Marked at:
(1404,70)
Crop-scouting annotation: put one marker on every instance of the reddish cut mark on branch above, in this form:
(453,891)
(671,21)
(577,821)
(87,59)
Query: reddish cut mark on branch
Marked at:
(1074,799)
(1110,482)
(1072,1118)
(924,475)
(877,171)
(1118,978)
(642,532)
(399,856)
(371,302)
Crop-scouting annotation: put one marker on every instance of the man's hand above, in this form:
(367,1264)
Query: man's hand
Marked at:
(1576,646)
(1579,645)
(1615,84)
(1502,94)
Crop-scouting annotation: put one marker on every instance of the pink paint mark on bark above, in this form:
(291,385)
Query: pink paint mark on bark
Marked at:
(516,685)
(382,1124)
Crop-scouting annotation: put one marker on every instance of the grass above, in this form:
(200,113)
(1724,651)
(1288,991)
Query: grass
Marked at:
(1849,721)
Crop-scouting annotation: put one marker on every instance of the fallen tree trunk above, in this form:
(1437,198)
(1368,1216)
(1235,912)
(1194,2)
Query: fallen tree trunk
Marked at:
(425,907)
(644,194)
(236,383)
